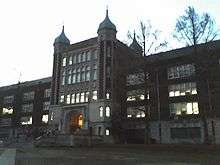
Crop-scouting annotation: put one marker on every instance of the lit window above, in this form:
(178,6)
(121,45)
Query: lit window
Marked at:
(82,97)
(80,120)
(70,60)
(184,108)
(45,119)
(8,110)
(129,115)
(107,95)
(107,112)
(62,98)
(107,132)
(68,99)
(136,112)
(182,89)
(47,93)
(27,120)
(94,95)
(101,111)
(46,106)
(87,97)
(64,61)
(77,97)
(136,95)
(73,99)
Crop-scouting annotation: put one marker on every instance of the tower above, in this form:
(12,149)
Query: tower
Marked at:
(60,44)
(106,41)
(135,46)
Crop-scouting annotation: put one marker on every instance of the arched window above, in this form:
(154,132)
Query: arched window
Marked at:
(107,111)
(101,111)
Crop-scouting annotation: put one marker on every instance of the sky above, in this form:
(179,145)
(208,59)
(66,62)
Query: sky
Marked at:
(29,27)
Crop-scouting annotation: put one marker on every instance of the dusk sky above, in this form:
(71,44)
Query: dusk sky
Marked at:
(29,27)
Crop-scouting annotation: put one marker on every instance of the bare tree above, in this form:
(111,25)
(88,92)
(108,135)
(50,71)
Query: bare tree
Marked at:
(148,38)
(193,28)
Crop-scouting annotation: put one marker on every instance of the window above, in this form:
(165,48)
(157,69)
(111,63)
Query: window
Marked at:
(101,111)
(64,61)
(26,120)
(107,132)
(87,73)
(8,110)
(83,57)
(8,99)
(28,96)
(70,60)
(68,99)
(82,97)
(94,95)
(107,95)
(63,80)
(74,59)
(62,98)
(182,89)
(184,108)
(6,122)
(95,54)
(74,76)
(185,132)
(136,112)
(78,58)
(87,97)
(78,75)
(94,72)
(69,77)
(77,97)
(137,78)
(88,56)
(83,74)
(46,106)
(47,93)
(137,95)
(27,108)
(181,71)
(45,119)
(107,112)
(73,99)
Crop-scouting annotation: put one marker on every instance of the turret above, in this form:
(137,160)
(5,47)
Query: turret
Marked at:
(135,46)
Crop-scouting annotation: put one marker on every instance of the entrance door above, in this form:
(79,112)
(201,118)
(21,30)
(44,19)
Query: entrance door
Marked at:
(76,122)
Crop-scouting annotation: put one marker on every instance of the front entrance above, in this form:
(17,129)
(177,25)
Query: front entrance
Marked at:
(76,122)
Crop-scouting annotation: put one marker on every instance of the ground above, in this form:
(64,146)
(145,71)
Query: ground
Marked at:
(120,155)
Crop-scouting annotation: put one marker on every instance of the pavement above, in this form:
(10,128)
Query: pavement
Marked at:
(113,155)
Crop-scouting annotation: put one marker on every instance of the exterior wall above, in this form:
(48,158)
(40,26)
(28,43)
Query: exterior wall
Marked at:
(15,128)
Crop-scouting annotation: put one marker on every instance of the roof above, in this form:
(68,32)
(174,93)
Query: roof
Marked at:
(106,23)
(135,46)
(182,52)
(27,83)
(83,44)
(62,38)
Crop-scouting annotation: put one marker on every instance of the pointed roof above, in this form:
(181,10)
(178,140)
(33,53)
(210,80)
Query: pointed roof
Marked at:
(107,24)
(134,45)
(62,38)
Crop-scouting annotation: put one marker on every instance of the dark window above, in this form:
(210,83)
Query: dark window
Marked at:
(185,133)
